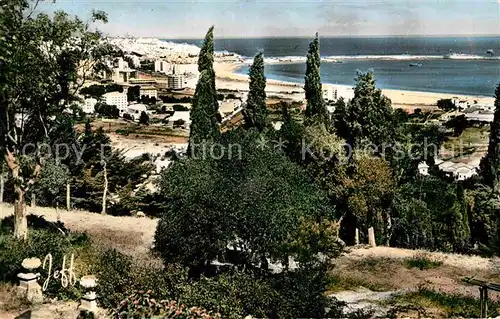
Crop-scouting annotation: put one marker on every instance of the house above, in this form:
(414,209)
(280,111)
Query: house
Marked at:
(476,113)
(135,110)
(116,98)
(88,106)
(460,171)
(329,93)
(180,119)
(163,67)
(423,168)
(149,91)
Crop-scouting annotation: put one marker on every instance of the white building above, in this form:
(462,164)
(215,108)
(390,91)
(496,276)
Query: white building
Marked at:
(423,168)
(88,106)
(116,98)
(135,110)
(180,117)
(163,67)
(150,91)
(478,114)
(175,81)
(329,93)
(460,171)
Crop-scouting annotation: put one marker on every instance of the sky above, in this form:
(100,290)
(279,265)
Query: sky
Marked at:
(253,18)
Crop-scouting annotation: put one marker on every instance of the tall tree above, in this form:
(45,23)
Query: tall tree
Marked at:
(256,110)
(43,62)
(368,117)
(316,107)
(204,114)
(490,164)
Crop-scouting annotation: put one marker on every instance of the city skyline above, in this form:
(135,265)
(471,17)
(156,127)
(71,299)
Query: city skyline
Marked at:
(242,19)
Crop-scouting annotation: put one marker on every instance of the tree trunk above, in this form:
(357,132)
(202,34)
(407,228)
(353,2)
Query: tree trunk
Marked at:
(104,195)
(20,220)
(68,197)
(2,184)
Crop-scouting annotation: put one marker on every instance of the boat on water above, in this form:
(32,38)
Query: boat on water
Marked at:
(490,52)
(416,65)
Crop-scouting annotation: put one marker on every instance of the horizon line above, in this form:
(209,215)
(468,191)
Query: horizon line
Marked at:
(326,36)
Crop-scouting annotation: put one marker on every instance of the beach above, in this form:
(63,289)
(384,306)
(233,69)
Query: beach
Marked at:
(227,78)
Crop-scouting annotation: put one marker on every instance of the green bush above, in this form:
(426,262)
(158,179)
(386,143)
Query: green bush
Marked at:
(142,305)
(119,277)
(423,261)
(43,238)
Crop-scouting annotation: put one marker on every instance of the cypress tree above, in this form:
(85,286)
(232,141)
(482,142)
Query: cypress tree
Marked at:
(204,114)
(490,164)
(256,110)
(204,120)
(316,107)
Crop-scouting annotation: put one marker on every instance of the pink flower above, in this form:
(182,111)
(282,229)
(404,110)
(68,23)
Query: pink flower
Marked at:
(153,301)
(178,312)
(136,302)
(140,292)
(124,302)
(149,291)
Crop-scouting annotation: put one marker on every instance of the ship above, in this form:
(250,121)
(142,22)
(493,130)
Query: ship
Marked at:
(416,64)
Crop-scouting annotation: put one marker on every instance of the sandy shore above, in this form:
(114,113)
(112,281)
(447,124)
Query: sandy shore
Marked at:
(228,79)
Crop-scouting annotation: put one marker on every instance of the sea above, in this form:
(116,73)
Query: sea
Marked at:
(456,65)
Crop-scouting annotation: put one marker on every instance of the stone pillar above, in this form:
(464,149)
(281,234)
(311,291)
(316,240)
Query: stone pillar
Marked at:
(28,285)
(33,200)
(89,302)
(356,237)
(371,237)
(68,197)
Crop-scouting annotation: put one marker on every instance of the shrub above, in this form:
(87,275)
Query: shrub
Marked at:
(142,305)
(119,277)
(423,261)
(44,238)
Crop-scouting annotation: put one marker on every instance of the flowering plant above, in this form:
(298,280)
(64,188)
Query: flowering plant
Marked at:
(141,305)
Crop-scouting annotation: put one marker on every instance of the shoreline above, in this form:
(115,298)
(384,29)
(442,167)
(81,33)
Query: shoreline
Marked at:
(227,78)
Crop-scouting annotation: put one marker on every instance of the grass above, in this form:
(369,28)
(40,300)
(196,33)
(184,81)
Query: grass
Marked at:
(451,305)
(472,136)
(342,282)
(364,273)
(423,261)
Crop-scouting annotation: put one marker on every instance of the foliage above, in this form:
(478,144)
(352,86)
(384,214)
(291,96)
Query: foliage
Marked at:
(106,110)
(45,237)
(256,109)
(134,93)
(142,305)
(180,107)
(490,164)
(368,117)
(458,124)
(253,201)
(97,91)
(297,294)
(423,261)
(369,190)
(144,118)
(438,211)
(39,81)
(446,105)
(316,107)
(50,190)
